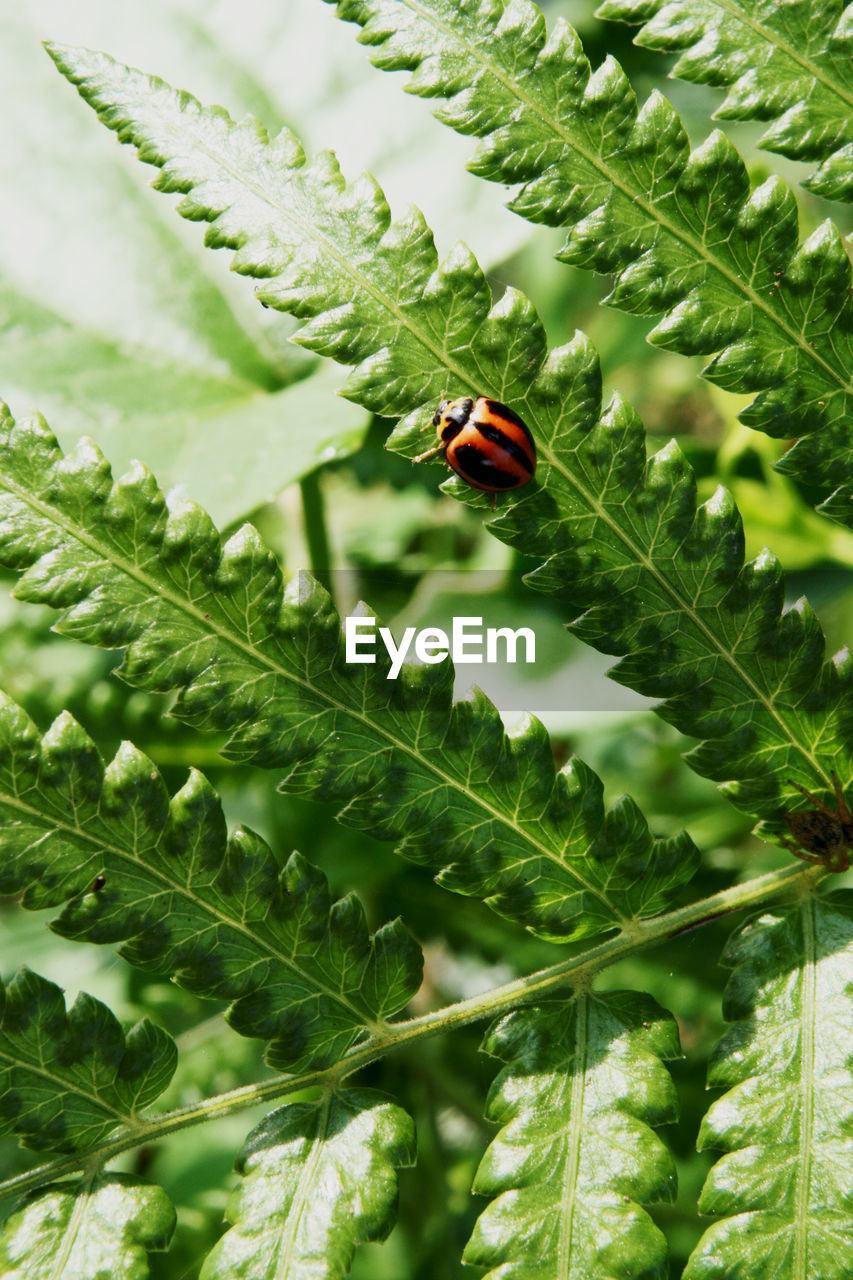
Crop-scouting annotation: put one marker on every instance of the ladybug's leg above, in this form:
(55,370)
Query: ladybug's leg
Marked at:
(430,453)
(494,500)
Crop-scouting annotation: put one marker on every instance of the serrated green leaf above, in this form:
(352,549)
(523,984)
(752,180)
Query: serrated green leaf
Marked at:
(85,1231)
(680,230)
(787,63)
(786,1121)
(576,1157)
(67,1079)
(660,581)
(270,669)
(218,914)
(319,1178)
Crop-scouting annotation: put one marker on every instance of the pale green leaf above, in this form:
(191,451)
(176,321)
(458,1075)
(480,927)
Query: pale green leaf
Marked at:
(121,326)
(576,1157)
(101,1229)
(238,442)
(785,1186)
(319,1177)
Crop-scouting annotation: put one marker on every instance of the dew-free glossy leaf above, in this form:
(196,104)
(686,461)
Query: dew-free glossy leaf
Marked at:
(68,1078)
(660,580)
(785,1186)
(319,1177)
(576,1158)
(217,913)
(87,1231)
(268,667)
(788,63)
(682,232)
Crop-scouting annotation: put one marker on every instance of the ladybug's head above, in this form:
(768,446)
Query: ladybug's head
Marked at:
(451,416)
(439,413)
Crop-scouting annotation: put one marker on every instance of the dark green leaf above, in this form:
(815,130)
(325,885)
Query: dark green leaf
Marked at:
(270,669)
(216,913)
(681,231)
(68,1079)
(788,63)
(660,581)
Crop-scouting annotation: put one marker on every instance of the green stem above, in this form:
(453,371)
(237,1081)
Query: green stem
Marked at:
(576,973)
(314,526)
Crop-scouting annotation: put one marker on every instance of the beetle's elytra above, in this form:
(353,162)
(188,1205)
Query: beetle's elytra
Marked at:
(485,442)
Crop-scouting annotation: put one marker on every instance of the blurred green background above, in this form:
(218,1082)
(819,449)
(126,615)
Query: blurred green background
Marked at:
(117,323)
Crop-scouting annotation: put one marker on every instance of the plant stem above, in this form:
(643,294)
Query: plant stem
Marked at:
(576,973)
(314,526)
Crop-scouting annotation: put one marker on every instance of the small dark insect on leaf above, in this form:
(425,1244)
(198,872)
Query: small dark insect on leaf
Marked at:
(98,883)
(822,835)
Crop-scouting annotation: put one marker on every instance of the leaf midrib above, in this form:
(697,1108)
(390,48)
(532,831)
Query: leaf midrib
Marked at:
(84,1200)
(300,1201)
(206,622)
(575,1135)
(808,1049)
(635,197)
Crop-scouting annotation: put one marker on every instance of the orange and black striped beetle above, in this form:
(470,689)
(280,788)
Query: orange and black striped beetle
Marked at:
(485,442)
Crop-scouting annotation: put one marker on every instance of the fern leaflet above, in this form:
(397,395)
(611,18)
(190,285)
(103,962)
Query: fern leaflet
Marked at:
(582,1084)
(218,914)
(318,1178)
(786,63)
(67,1079)
(787,1119)
(680,230)
(660,581)
(103,1226)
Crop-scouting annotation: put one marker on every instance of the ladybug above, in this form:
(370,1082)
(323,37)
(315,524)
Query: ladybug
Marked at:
(485,442)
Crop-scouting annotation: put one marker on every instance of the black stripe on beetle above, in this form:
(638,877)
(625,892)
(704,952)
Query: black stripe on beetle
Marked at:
(485,442)
(475,466)
(497,435)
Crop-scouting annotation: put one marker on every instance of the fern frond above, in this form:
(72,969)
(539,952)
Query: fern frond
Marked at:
(789,63)
(659,580)
(212,622)
(67,1079)
(680,230)
(216,913)
(576,1156)
(338,1156)
(103,1226)
(787,1119)
(647,574)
